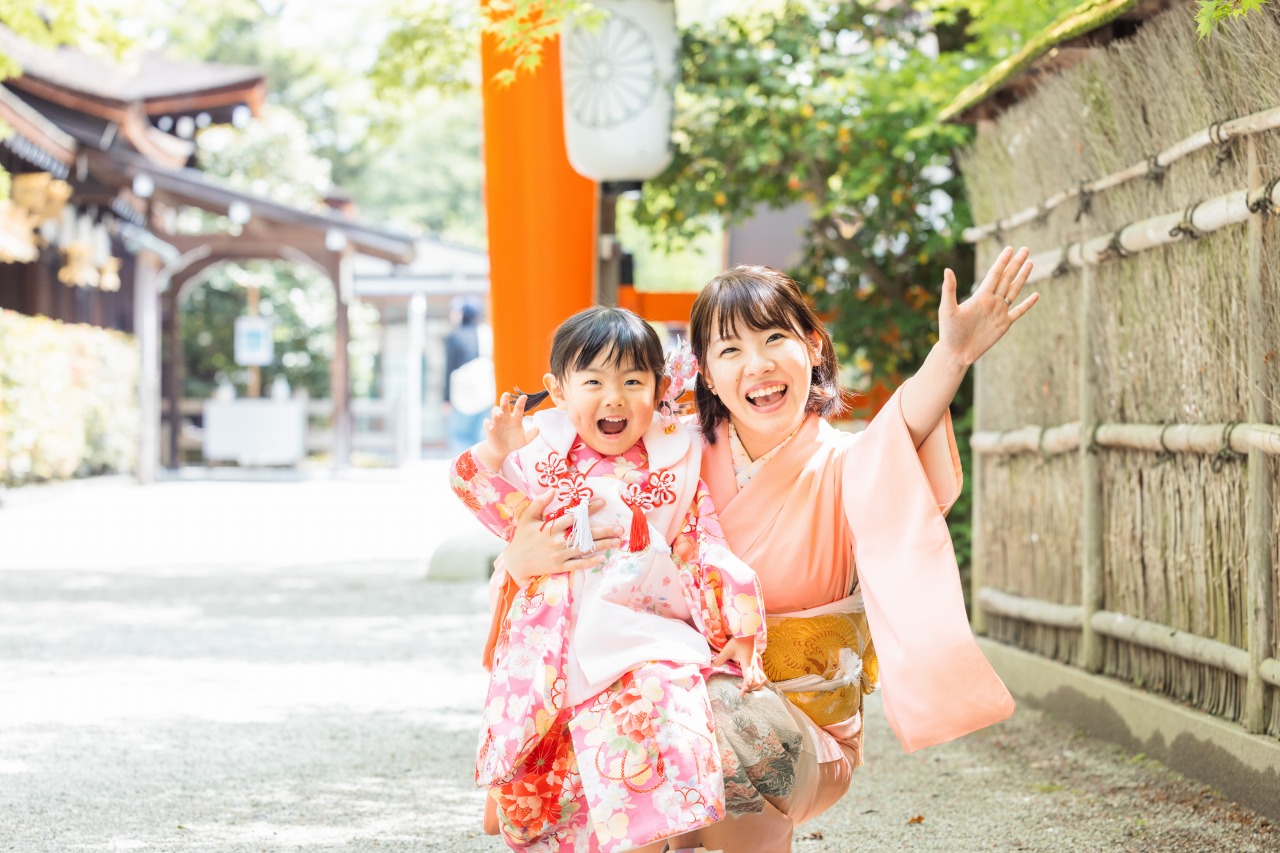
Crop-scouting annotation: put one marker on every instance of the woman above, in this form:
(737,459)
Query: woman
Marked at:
(846,534)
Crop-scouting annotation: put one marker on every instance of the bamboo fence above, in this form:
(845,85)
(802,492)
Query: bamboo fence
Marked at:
(1126,446)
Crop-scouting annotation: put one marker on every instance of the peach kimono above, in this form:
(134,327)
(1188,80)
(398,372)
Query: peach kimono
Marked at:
(833,514)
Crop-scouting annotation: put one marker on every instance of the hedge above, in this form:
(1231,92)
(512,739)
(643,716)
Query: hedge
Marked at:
(68,400)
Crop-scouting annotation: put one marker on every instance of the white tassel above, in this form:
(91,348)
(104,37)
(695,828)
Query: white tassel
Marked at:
(581,538)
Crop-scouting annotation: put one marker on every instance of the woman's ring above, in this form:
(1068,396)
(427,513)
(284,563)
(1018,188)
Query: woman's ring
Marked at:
(1006,301)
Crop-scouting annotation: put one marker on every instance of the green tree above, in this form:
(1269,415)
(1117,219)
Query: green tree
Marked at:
(835,105)
(1213,12)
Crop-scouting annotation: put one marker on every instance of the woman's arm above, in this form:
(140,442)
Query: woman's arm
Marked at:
(965,331)
(536,548)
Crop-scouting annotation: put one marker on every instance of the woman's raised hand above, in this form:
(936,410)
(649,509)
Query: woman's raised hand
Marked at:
(543,548)
(970,328)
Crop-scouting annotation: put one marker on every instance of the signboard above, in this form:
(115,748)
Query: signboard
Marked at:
(254,347)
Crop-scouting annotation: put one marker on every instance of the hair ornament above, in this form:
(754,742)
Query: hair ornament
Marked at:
(682,370)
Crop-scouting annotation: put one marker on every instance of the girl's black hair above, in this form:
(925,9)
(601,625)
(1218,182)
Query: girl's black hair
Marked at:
(760,298)
(624,338)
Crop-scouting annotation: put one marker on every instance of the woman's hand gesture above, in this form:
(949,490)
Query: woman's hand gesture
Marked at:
(970,328)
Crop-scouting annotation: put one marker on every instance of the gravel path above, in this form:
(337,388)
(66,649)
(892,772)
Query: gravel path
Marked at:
(262,666)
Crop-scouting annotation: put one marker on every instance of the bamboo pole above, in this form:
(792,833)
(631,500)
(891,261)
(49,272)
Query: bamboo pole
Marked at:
(1192,438)
(1244,126)
(1091,527)
(1270,671)
(1207,216)
(977,539)
(1000,603)
(1152,635)
(1258,523)
(1048,441)
(1238,438)
(1171,641)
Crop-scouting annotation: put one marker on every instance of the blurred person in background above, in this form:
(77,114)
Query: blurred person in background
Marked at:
(468,368)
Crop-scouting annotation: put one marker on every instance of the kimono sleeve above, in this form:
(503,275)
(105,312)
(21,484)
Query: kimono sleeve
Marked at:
(494,498)
(730,599)
(936,682)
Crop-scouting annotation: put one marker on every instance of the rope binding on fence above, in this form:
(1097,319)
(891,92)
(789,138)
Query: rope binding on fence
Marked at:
(1225,453)
(1165,454)
(1156,171)
(1263,203)
(1186,227)
(1064,265)
(1084,201)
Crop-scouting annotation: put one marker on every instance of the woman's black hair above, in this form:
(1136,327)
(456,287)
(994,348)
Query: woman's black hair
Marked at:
(760,298)
(622,336)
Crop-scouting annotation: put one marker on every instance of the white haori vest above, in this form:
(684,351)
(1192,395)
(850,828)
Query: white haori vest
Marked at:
(631,609)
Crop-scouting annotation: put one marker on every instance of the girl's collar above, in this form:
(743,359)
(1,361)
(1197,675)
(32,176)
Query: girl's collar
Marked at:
(665,447)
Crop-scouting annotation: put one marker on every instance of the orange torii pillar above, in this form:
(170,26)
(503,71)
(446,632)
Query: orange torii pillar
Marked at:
(542,218)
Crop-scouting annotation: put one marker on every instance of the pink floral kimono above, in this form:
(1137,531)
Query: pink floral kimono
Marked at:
(597,732)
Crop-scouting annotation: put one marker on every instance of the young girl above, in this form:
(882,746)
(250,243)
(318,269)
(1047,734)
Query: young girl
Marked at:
(597,721)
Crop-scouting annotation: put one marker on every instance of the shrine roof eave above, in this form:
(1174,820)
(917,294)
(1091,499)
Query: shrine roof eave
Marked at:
(37,130)
(107,88)
(191,187)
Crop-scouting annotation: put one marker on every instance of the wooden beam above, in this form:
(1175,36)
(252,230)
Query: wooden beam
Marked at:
(1259,593)
(541,214)
(146,327)
(339,368)
(251,92)
(1171,641)
(1093,522)
(1000,603)
(173,376)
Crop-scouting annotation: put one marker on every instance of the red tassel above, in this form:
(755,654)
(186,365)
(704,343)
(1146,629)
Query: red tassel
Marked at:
(639,530)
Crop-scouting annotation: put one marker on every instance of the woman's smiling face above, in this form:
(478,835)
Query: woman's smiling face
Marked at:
(763,378)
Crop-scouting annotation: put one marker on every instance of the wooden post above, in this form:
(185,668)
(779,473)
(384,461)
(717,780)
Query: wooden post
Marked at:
(1091,562)
(977,541)
(173,377)
(339,369)
(411,450)
(541,215)
(146,327)
(1258,523)
(254,383)
(609,252)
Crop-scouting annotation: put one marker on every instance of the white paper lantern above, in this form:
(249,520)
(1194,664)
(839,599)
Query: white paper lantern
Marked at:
(618,82)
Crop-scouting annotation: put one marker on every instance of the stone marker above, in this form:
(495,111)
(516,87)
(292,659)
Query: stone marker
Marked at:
(465,556)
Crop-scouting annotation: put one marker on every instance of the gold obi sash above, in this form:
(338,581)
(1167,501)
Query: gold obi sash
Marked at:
(823,659)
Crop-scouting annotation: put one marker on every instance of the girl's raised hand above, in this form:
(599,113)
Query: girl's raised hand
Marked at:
(972,327)
(504,431)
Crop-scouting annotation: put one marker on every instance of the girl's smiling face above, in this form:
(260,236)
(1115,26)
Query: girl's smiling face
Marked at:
(609,402)
(763,378)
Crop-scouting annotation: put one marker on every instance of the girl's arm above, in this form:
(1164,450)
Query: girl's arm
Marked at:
(965,332)
(491,497)
(731,603)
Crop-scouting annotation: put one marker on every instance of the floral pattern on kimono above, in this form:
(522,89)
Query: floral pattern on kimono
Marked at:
(646,755)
